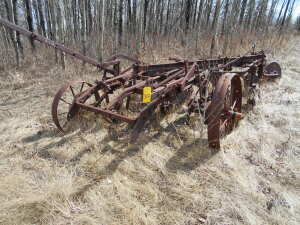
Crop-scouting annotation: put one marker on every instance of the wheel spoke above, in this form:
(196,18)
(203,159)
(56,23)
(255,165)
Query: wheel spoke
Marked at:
(72,91)
(65,101)
(224,123)
(81,87)
(233,106)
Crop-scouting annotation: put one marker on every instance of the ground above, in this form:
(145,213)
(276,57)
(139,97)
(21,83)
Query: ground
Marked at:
(91,176)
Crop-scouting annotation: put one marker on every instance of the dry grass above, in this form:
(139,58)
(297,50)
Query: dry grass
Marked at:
(92,176)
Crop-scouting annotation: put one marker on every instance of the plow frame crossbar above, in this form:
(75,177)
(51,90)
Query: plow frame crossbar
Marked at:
(205,64)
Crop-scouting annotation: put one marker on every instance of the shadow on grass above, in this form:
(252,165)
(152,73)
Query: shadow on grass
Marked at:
(40,135)
(191,156)
(187,158)
(120,155)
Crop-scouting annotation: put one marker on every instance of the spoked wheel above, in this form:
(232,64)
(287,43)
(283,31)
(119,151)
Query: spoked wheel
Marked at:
(63,105)
(224,112)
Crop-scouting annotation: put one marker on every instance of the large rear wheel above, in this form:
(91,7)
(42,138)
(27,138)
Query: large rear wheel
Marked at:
(224,112)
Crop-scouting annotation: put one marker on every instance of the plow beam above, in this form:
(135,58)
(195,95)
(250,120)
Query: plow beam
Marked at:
(37,37)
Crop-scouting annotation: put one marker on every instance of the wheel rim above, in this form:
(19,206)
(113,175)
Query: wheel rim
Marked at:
(225,106)
(232,105)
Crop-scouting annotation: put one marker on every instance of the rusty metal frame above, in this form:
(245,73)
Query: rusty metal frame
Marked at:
(220,106)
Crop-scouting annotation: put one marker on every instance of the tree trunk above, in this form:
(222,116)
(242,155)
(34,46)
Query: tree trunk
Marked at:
(285,13)
(53,26)
(83,27)
(167,18)
(75,21)
(200,12)
(251,6)
(243,9)
(16,21)
(146,3)
(279,15)
(48,19)
(120,24)
(188,14)
(214,26)
(290,14)
(42,18)
(60,33)
(134,13)
(272,12)
(89,16)
(225,17)
(103,29)
(28,7)
(12,34)
(35,16)
(208,12)
(129,16)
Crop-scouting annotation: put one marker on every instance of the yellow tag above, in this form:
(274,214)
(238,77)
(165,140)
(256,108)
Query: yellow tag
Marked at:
(147,93)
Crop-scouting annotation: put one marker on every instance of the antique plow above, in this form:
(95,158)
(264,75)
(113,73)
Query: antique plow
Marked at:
(210,87)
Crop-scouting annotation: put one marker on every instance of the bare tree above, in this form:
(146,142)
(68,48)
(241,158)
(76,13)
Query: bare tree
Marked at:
(16,21)
(12,34)
(28,8)
(242,14)
(285,13)
(120,27)
(42,17)
(272,11)
(298,23)
(188,13)
(146,4)
(60,35)
(214,26)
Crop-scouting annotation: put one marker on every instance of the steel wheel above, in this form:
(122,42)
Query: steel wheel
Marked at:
(63,105)
(224,111)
